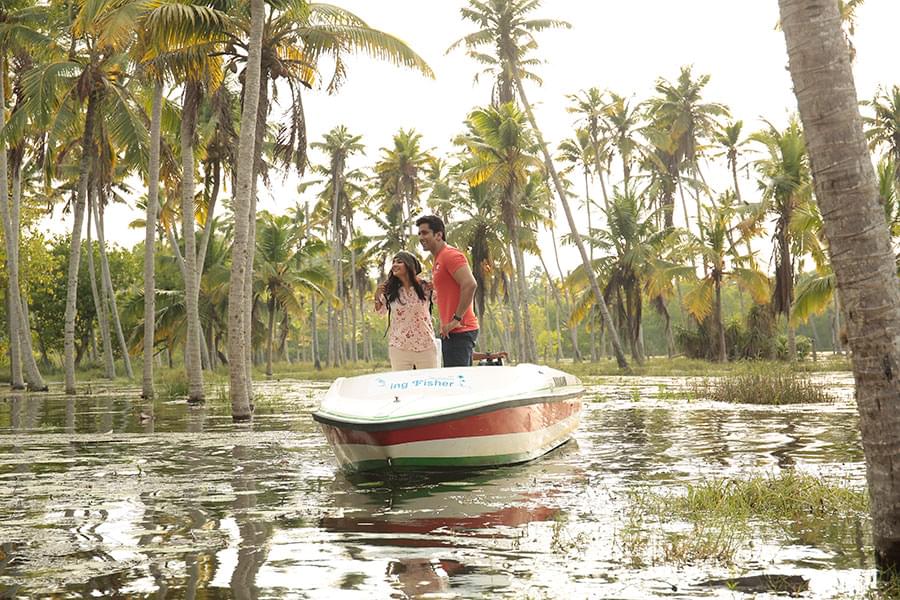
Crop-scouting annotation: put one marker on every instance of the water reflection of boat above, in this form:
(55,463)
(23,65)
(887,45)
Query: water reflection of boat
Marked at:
(412,507)
(424,525)
(449,418)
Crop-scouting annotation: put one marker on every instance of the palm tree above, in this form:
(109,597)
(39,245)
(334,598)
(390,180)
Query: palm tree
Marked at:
(503,148)
(18,30)
(280,275)
(476,230)
(90,77)
(861,252)
(621,121)
(786,184)
(637,267)
(728,138)
(590,106)
(505,26)
(339,145)
(884,128)
(400,172)
(718,247)
(238,344)
(680,110)
(295,36)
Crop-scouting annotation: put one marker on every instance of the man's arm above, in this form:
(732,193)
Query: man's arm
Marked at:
(467,286)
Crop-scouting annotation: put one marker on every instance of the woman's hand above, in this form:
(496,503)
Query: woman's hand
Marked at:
(379,296)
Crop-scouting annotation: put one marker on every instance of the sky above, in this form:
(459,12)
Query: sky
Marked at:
(620,46)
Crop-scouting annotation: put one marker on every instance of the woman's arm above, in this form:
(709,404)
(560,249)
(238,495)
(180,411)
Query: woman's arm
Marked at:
(380,306)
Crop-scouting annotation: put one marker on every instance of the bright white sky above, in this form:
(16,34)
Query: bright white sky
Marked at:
(621,46)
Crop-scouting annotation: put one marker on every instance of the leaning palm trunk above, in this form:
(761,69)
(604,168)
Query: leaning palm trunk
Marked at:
(862,257)
(192,361)
(560,191)
(573,329)
(14,307)
(150,244)
(107,280)
(238,388)
(99,301)
(75,245)
(19,325)
(33,377)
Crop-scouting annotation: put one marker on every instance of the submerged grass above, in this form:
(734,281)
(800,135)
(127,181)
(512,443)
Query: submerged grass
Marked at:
(763,385)
(713,520)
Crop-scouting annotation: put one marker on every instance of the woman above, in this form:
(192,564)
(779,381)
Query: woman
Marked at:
(407,301)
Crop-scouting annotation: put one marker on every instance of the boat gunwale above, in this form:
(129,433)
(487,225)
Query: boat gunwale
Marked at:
(327,419)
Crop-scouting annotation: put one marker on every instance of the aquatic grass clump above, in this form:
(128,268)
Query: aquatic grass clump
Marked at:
(172,385)
(763,386)
(712,521)
(790,496)
(650,538)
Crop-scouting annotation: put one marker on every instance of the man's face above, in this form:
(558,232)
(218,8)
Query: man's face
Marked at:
(426,237)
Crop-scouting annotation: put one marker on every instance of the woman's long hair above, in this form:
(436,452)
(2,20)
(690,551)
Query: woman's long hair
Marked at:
(393,284)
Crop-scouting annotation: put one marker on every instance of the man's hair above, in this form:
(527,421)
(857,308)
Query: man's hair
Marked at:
(434,223)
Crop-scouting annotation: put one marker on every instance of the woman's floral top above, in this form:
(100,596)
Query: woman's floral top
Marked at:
(411,326)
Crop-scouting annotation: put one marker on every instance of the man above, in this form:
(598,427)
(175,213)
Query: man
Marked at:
(454,286)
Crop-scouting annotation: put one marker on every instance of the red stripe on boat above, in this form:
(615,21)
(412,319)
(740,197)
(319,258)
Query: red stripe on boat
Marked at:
(519,419)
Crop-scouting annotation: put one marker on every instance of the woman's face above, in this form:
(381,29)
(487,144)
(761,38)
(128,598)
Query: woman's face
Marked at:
(398,268)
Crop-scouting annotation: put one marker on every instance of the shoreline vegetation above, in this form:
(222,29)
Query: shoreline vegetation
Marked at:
(739,382)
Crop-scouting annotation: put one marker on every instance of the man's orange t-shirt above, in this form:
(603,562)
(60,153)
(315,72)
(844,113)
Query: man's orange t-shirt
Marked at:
(446,289)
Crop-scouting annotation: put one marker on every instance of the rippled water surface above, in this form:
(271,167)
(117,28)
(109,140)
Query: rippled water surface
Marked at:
(102,495)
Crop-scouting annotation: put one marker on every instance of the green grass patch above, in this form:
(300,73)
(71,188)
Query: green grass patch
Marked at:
(712,521)
(788,496)
(763,385)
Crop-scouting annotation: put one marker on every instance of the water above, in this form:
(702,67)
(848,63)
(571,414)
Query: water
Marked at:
(104,496)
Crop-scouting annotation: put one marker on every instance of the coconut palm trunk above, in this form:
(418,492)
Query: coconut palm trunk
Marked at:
(192,362)
(111,292)
(270,335)
(75,244)
(314,335)
(515,306)
(573,329)
(563,198)
(860,244)
(100,305)
(262,110)
(558,302)
(14,307)
(720,324)
(33,377)
(238,384)
(334,350)
(354,350)
(150,243)
(836,343)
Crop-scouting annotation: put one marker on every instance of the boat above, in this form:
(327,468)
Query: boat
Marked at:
(449,418)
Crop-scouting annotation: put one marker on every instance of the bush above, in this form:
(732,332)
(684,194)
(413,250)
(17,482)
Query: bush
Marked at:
(763,386)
